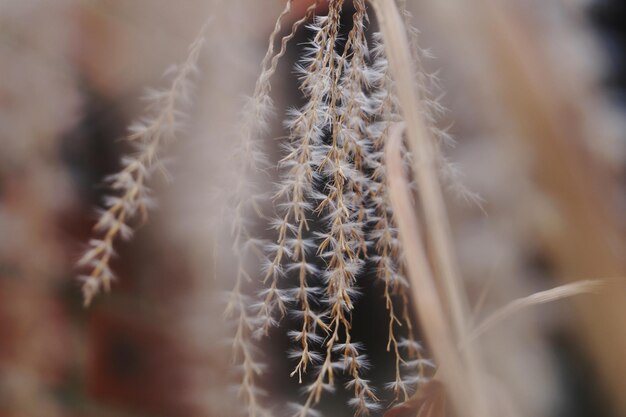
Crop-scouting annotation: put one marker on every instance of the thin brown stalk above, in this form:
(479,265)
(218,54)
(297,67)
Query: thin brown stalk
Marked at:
(425,157)
(428,303)
(424,166)
(541,297)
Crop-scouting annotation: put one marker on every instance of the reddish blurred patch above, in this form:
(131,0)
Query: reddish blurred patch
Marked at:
(34,332)
(134,363)
(300,6)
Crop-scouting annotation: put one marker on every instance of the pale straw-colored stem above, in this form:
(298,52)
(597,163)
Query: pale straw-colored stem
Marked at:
(422,145)
(542,297)
(429,306)
(424,159)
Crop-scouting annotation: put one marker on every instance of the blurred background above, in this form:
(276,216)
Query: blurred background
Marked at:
(536,97)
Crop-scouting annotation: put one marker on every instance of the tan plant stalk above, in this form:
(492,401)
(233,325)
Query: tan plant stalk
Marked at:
(272,299)
(352,101)
(251,161)
(342,208)
(161,124)
(536,108)
(424,151)
(326,59)
(345,243)
(388,251)
(428,303)
(541,297)
(425,157)
(292,224)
